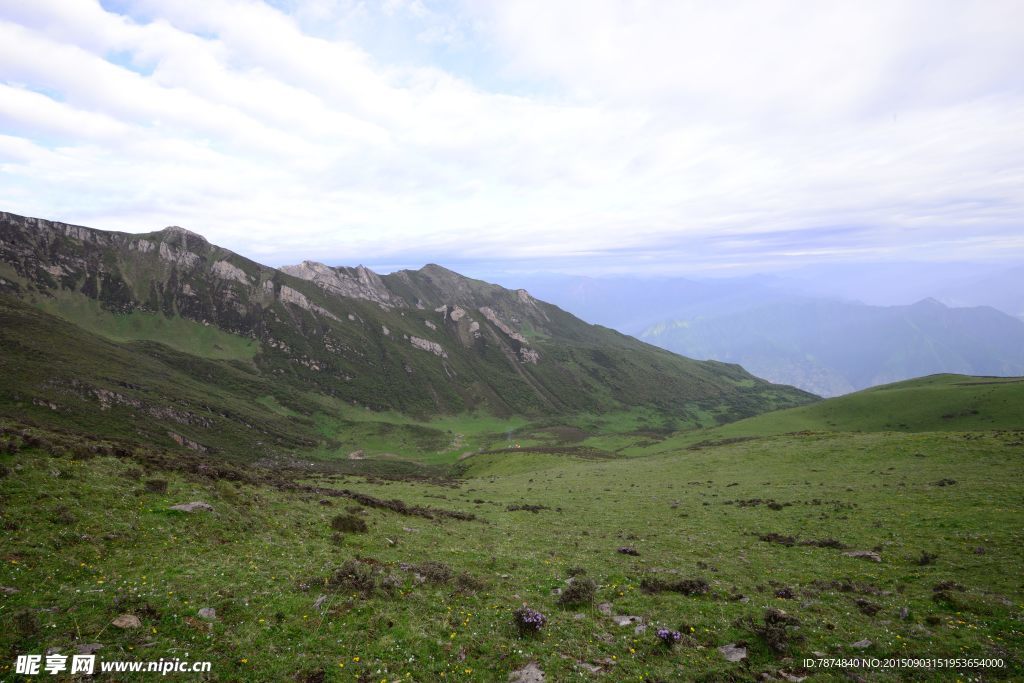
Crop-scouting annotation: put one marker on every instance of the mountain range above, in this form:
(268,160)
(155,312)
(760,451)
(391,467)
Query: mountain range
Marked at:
(797,330)
(220,352)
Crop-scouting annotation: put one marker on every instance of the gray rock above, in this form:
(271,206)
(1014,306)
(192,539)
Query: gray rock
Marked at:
(627,619)
(127,621)
(195,506)
(861,644)
(208,613)
(864,555)
(531,673)
(733,652)
(9,590)
(605,608)
(88,648)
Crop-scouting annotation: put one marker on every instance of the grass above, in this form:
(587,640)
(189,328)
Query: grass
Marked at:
(187,336)
(83,536)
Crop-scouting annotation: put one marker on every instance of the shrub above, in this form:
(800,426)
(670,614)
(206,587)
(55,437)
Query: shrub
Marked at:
(579,591)
(354,575)
(156,486)
(349,523)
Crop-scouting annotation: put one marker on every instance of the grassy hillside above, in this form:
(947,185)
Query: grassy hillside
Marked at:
(940,403)
(745,528)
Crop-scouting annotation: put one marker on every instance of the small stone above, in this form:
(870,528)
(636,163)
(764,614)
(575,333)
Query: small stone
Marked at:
(320,602)
(9,590)
(605,608)
(733,652)
(864,555)
(904,613)
(626,620)
(195,506)
(127,621)
(531,673)
(861,644)
(207,613)
(88,648)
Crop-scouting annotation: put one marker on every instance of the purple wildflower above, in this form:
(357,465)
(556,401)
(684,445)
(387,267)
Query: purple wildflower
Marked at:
(529,620)
(668,636)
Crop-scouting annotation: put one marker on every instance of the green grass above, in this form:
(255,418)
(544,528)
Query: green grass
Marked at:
(934,403)
(205,341)
(83,538)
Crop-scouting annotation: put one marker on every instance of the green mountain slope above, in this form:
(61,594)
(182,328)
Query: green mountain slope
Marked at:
(937,403)
(168,320)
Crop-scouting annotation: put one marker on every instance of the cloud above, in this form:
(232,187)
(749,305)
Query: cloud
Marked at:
(602,134)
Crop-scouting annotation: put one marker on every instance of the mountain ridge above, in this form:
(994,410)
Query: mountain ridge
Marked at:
(424,342)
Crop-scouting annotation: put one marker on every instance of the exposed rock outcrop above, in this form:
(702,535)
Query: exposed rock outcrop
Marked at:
(355,283)
(428,345)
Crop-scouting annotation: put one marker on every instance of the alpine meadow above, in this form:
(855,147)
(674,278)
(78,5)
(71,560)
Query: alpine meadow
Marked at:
(417,341)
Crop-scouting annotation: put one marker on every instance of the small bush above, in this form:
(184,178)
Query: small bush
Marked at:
(628,550)
(926,558)
(579,591)
(354,576)
(156,486)
(779,630)
(349,523)
(435,572)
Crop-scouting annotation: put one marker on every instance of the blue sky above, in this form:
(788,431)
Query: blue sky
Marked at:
(588,137)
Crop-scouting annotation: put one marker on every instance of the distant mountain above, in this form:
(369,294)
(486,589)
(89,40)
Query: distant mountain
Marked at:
(1001,289)
(832,347)
(194,336)
(632,304)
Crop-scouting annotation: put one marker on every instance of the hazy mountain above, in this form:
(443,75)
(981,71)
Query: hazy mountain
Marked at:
(422,342)
(832,347)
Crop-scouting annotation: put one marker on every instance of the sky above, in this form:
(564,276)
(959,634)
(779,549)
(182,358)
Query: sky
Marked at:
(580,136)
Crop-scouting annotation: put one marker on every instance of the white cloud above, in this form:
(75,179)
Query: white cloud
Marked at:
(598,128)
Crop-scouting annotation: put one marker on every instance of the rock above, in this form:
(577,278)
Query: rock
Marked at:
(207,613)
(627,620)
(605,608)
(195,506)
(9,590)
(531,673)
(864,555)
(861,644)
(127,621)
(904,613)
(733,652)
(88,648)
(320,602)
(357,455)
